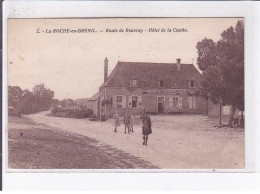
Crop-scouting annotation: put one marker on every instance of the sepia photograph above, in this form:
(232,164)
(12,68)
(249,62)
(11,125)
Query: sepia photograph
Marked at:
(126,93)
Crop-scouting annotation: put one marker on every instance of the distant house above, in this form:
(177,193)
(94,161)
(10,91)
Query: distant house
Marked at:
(160,88)
(69,104)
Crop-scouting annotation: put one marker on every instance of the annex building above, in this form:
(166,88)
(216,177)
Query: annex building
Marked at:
(160,88)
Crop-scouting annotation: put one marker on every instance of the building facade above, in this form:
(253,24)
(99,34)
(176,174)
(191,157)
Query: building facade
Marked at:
(160,88)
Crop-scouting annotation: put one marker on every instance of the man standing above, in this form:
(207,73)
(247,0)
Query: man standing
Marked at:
(147,127)
(127,121)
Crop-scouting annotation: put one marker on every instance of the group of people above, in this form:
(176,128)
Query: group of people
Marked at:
(129,124)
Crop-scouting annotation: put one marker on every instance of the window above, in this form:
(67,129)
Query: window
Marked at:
(191,84)
(118,98)
(133,83)
(174,83)
(134,101)
(175,102)
(161,83)
(119,101)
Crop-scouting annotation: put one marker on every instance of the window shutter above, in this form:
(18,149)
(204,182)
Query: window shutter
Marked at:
(194,102)
(190,102)
(114,101)
(180,102)
(123,101)
(139,101)
(170,101)
(130,101)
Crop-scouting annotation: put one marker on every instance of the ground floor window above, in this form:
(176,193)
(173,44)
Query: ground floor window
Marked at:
(175,102)
(118,98)
(135,101)
(119,101)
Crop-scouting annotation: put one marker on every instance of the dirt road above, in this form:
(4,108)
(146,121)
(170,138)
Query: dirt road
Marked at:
(35,146)
(177,141)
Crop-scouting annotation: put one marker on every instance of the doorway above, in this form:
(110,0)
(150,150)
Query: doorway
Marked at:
(160,103)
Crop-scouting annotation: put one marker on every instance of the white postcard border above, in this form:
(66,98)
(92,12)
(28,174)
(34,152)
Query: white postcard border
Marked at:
(81,9)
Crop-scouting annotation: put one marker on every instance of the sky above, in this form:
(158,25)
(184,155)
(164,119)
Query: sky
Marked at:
(72,64)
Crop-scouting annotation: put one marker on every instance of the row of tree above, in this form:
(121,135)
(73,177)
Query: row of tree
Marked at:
(27,102)
(222,66)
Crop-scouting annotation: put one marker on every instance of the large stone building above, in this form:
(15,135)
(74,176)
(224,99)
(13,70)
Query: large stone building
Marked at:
(160,88)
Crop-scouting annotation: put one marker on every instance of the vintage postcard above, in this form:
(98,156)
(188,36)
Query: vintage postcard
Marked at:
(126,93)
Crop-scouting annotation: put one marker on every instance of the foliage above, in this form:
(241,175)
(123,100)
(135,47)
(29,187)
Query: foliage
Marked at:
(28,102)
(222,66)
(72,113)
(106,101)
(43,97)
(14,94)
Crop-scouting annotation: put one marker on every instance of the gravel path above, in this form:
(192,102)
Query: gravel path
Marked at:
(32,146)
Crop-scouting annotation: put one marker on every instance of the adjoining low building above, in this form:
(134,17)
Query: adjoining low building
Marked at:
(160,88)
(93,103)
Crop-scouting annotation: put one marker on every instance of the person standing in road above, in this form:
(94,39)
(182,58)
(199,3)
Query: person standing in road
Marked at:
(131,123)
(127,121)
(147,127)
(116,117)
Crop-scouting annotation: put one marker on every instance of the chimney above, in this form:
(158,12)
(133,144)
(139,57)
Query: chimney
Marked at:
(178,63)
(105,69)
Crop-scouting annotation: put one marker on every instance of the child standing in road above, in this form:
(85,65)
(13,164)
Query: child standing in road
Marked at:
(131,124)
(116,117)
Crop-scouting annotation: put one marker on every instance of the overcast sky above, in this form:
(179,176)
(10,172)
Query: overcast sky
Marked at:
(72,64)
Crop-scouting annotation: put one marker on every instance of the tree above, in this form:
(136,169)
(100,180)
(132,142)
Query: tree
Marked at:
(222,66)
(26,102)
(14,95)
(43,97)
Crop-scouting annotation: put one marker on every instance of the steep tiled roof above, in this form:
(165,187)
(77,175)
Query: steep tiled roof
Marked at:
(148,75)
(94,97)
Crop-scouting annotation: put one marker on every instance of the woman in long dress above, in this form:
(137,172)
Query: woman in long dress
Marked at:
(147,127)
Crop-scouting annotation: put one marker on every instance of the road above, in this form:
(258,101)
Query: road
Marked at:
(36,146)
(177,141)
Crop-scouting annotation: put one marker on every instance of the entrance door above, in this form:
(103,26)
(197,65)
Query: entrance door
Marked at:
(160,104)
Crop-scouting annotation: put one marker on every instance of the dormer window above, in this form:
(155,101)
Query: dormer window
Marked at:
(133,83)
(161,83)
(191,84)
